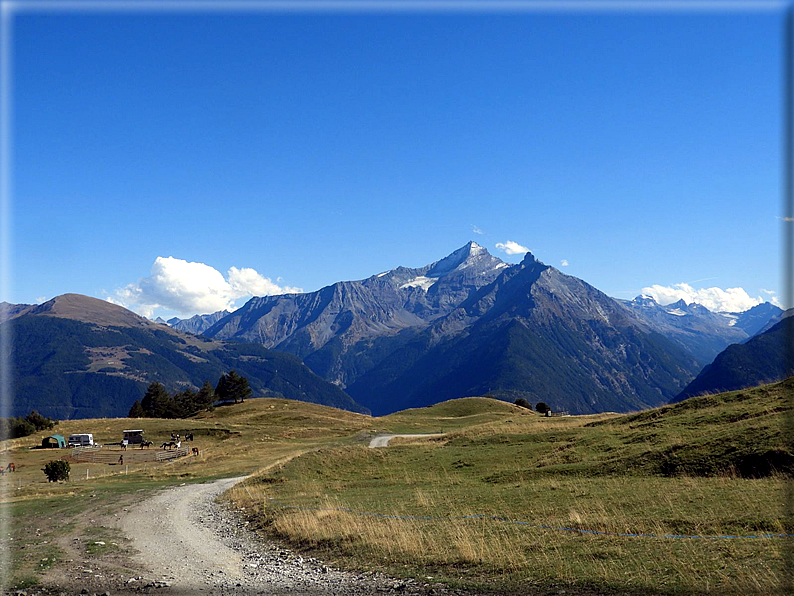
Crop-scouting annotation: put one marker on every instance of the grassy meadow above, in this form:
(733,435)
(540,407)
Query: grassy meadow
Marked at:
(685,469)
(679,470)
(38,519)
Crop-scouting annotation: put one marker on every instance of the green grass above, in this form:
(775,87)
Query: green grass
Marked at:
(233,440)
(679,469)
(674,470)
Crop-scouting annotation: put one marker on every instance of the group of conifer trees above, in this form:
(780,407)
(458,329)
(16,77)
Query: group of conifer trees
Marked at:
(12,428)
(159,403)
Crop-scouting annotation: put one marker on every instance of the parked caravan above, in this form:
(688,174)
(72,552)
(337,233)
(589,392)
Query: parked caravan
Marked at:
(81,440)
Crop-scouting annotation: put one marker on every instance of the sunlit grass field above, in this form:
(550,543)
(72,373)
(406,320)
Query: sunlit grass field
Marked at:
(672,471)
(315,485)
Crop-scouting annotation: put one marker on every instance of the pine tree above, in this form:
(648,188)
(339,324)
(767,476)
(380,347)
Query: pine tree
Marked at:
(232,386)
(205,396)
(136,411)
(155,402)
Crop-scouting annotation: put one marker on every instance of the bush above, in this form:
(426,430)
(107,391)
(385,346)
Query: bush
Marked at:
(542,407)
(523,403)
(14,428)
(38,421)
(56,470)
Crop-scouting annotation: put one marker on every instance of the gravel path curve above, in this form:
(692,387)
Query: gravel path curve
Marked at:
(383,440)
(196,546)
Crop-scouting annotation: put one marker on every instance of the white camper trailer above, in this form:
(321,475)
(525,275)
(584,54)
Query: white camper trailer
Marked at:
(81,440)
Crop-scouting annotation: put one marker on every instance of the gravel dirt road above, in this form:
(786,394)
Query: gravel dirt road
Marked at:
(383,440)
(191,545)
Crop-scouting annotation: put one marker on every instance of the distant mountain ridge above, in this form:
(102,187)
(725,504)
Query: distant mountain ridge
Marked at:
(197,324)
(764,358)
(77,357)
(698,330)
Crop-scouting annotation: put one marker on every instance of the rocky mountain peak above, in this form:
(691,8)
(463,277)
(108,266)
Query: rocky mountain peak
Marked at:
(469,255)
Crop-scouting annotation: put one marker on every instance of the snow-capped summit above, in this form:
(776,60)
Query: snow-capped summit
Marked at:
(469,255)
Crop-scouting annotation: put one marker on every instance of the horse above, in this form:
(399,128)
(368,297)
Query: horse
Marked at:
(169,444)
(146,444)
(11,467)
(195,451)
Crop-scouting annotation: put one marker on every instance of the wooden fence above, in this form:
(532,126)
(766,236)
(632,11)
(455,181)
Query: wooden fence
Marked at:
(131,456)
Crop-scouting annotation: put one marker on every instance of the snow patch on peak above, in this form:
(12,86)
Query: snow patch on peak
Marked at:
(677,312)
(469,255)
(475,249)
(419,282)
(382,274)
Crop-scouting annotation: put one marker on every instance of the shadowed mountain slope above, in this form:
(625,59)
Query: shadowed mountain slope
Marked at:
(77,357)
(534,333)
(763,359)
(339,330)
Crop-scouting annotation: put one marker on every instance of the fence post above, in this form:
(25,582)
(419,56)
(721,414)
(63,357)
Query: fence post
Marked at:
(86,473)
(126,469)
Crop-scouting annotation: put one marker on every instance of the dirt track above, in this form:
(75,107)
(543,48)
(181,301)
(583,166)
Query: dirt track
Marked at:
(191,545)
(383,440)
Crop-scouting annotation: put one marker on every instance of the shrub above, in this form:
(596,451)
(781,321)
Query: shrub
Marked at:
(542,407)
(38,421)
(56,470)
(523,403)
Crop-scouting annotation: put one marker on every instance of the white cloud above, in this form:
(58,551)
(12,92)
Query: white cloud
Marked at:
(247,282)
(715,299)
(770,292)
(788,219)
(564,263)
(193,288)
(476,230)
(512,248)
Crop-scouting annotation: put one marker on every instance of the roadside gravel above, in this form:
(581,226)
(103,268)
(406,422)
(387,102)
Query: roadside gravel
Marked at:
(192,545)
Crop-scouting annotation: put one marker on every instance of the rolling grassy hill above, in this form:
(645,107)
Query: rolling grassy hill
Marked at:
(709,466)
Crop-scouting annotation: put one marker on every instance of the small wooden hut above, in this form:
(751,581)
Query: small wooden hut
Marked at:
(133,437)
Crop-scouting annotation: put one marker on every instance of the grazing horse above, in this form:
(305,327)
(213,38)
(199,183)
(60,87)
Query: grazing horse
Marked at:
(146,444)
(168,444)
(195,451)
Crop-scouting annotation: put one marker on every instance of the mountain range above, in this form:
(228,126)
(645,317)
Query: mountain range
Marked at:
(468,324)
(77,357)
(698,330)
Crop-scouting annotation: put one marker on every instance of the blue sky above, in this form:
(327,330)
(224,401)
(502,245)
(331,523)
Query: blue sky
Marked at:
(641,149)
